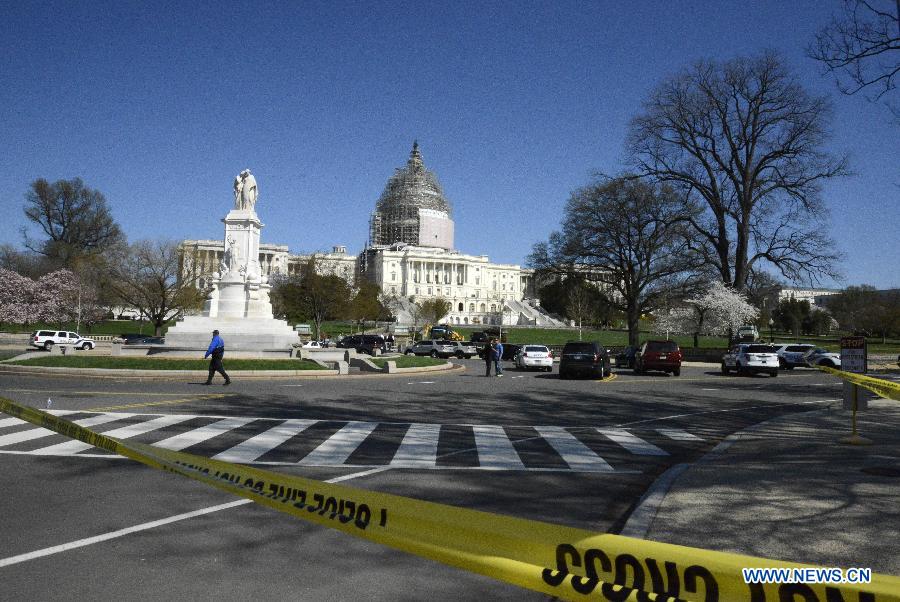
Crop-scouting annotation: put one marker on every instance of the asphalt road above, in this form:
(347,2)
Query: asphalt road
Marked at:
(574,452)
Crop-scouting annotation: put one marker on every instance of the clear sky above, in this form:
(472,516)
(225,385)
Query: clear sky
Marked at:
(514,104)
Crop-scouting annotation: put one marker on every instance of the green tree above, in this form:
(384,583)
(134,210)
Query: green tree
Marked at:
(312,296)
(366,303)
(791,314)
(75,220)
(435,309)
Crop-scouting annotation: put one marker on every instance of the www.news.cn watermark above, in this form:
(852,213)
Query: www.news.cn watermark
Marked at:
(807,575)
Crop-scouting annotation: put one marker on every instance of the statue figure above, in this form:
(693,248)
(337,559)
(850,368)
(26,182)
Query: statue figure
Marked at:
(238,188)
(245,191)
(249,190)
(228,259)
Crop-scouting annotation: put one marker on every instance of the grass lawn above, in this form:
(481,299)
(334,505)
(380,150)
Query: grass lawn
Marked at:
(410,361)
(149,363)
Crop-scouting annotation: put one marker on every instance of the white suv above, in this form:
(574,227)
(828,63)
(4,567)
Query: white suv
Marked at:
(747,358)
(791,356)
(46,339)
(433,348)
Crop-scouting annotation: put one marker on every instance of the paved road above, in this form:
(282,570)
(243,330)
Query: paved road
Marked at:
(579,453)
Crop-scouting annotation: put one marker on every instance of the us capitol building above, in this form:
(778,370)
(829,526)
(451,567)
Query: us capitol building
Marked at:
(410,256)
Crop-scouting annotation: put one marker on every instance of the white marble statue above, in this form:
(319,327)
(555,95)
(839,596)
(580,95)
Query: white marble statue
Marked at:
(245,191)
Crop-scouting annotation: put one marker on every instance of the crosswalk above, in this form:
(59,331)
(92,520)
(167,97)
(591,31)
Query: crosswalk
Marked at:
(306,442)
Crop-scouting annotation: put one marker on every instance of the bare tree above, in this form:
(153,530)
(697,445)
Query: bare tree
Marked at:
(75,219)
(631,234)
(861,47)
(149,276)
(743,141)
(578,304)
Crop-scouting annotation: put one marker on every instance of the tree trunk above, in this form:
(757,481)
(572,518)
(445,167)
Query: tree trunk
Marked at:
(696,340)
(634,320)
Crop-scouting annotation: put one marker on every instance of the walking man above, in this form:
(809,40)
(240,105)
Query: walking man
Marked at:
(488,357)
(498,359)
(216,350)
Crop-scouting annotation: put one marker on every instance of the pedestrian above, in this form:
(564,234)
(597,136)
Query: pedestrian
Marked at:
(217,351)
(498,359)
(488,356)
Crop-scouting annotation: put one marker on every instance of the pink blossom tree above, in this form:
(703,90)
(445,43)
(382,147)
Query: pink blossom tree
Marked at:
(719,310)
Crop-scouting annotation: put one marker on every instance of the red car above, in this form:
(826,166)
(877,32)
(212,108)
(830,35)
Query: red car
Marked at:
(662,356)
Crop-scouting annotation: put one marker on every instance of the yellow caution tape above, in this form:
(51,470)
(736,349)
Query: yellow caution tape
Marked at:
(879,386)
(569,563)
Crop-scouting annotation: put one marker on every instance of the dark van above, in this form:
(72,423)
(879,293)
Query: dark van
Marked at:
(584,358)
(364,343)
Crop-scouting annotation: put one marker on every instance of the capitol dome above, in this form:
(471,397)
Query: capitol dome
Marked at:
(412,209)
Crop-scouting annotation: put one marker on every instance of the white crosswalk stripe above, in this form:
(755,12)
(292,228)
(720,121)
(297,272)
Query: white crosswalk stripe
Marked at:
(419,447)
(338,447)
(577,455)
(125,432)
(678,435)
(259,445)
(632,443)
(37,433)
(184,440)
(495,450)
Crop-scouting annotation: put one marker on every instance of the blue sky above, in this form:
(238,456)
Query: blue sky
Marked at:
(514,104)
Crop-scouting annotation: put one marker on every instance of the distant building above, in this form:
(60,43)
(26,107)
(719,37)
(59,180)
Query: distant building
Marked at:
(815,296)
(410,255)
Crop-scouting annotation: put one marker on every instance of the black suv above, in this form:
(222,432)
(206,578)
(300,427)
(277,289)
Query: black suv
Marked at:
(584,358)
(364,343)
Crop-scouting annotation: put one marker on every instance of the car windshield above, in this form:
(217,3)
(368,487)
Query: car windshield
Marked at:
(579,348)
(760,349)
(536,348)
(662,346)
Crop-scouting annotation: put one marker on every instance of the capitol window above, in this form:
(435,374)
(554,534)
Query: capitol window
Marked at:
(429,290)
(471,307)
(393,276)
(483,309)
(460,307)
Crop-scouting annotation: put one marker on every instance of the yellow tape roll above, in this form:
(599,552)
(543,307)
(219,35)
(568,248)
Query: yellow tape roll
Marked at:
(572,564)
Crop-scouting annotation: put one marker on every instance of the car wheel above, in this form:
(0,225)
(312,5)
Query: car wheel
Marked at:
(433,353)
(827,363)
(725,369)
(781,363)
(676,372)
(408,352)
(773,373)
(460,355)
(48,345)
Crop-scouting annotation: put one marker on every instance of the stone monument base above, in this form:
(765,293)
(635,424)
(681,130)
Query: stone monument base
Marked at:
(239,334)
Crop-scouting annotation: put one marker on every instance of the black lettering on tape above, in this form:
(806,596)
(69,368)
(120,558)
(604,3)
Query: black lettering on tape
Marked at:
(301,503)
(672,586)
(319,499)
(694,572)
(563,551)
(350,507)
(332,506)
(383,521)
(363,516)
(623,561)
(585,585)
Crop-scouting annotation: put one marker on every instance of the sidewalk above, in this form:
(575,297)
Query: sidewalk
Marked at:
(788,491)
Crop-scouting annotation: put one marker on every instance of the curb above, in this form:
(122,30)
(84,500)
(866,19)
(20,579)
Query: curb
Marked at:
(131,373)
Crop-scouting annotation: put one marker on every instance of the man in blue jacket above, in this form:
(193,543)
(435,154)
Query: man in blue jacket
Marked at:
(498,359)
(217,351)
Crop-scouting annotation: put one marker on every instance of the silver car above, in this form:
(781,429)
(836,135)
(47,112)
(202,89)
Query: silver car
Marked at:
(790,356)
(432,348)
(822,357)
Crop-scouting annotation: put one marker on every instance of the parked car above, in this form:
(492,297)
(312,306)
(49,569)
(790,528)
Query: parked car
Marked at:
(311,345)
(463,349)
(822,357)
(509,351)
(145,340)
(625,358)
(663,356)
(432,348)
(46,339)
(363,343)
(584,358)
(791,356)
(534,356)
(749,358)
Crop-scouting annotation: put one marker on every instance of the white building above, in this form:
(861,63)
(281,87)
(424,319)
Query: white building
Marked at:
(410,256)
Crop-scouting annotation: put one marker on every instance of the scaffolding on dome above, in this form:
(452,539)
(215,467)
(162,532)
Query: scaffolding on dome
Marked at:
(411,188)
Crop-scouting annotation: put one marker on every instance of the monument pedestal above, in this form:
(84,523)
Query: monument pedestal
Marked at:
(238,306)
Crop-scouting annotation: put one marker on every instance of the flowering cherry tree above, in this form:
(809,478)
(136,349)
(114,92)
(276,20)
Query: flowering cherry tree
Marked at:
(717,311)
(52,298)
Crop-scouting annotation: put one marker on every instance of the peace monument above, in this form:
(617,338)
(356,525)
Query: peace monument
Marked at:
(238,305)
